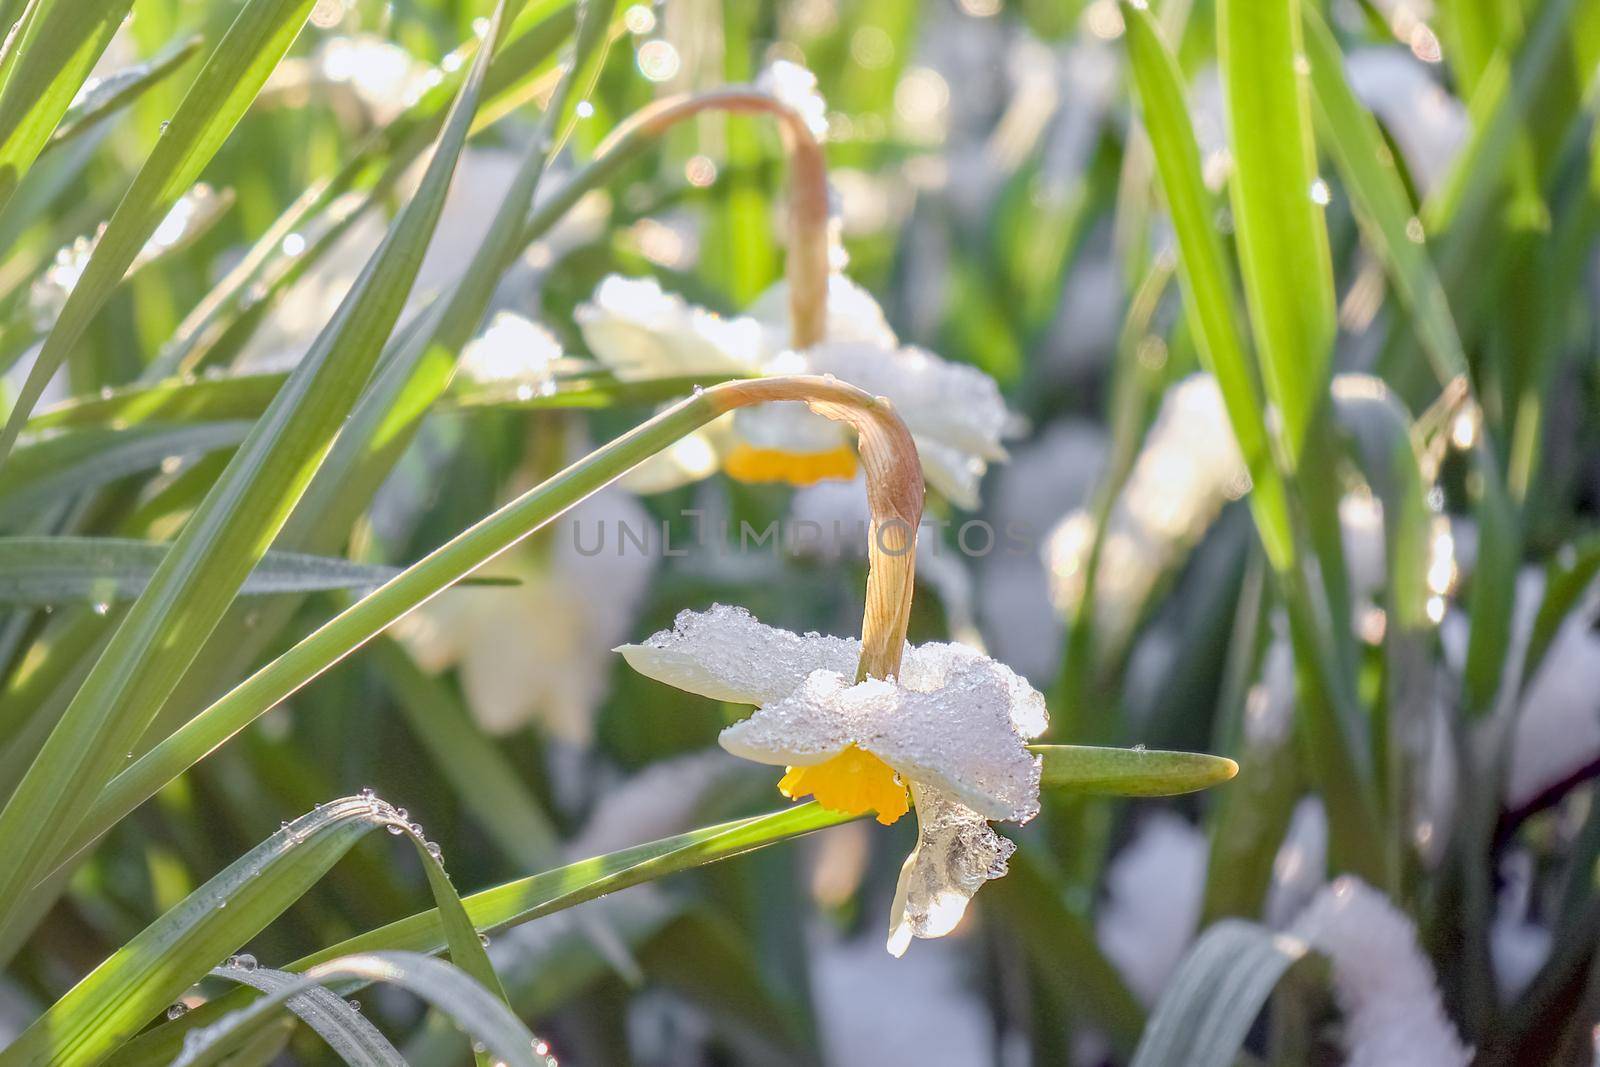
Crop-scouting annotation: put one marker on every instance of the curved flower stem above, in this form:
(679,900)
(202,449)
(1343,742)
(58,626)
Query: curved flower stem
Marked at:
(894,491)
(807,265)
(894,502)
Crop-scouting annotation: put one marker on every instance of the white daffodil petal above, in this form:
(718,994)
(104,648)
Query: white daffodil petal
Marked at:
(954,404)
(853,316)
(640,331)
(956,853)
(725,654)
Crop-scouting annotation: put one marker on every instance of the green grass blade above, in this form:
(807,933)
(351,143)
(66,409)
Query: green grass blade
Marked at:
(348,1032)
(530,898)
(226,535)
(229,398)
(39,571)
(224,88)
(1130,772)
(368,617)
(117,998)
(1395,235)
(1282,241)
(1331,713)
(66,464)
(60,45)
(416,373)
(119,89)
(1383,208)
(1212,1001)
(1203,273)
(449,989)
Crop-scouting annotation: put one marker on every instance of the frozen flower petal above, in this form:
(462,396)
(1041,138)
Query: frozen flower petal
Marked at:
(639,331)
(956,853)
(953,474)
(959,737)
(935,666)
(725,654)
(1383,982)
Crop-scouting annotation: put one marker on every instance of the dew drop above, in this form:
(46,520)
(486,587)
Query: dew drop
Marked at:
(1320,193)
(177,1010)
(483,939)
(245,962)
(355,1005)
(395,829)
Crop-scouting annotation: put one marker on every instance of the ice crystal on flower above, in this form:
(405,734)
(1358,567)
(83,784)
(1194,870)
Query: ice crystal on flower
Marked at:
(1383,982)
(956,853)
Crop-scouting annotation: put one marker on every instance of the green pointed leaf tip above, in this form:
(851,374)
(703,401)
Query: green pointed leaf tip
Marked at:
(1130,772)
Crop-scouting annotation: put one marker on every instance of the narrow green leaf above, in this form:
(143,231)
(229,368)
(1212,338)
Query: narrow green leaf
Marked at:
(1393,231)
(39,571)
(66,464)
(228,533)
(372,614)
(216,100)
(449,989)
(54,54)
(347,1031)
(150,971)
(1567,579)
(1130,772)
(1277,207)
(247,396)
(1330,712)
(1206,285)
(530,898)
(1212,1001)
(117,90)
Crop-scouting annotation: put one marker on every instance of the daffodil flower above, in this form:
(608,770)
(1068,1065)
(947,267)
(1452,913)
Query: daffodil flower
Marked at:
(954,411)
(947,735)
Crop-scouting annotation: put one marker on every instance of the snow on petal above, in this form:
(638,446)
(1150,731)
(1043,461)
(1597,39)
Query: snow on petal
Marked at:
(823,716)
(934,666)
(956,853)
(726,654)
(641,331)
(1383,982)
(958,737)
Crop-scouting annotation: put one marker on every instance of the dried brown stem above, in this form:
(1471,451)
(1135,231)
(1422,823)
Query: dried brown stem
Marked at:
(807,267)
(894,499)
